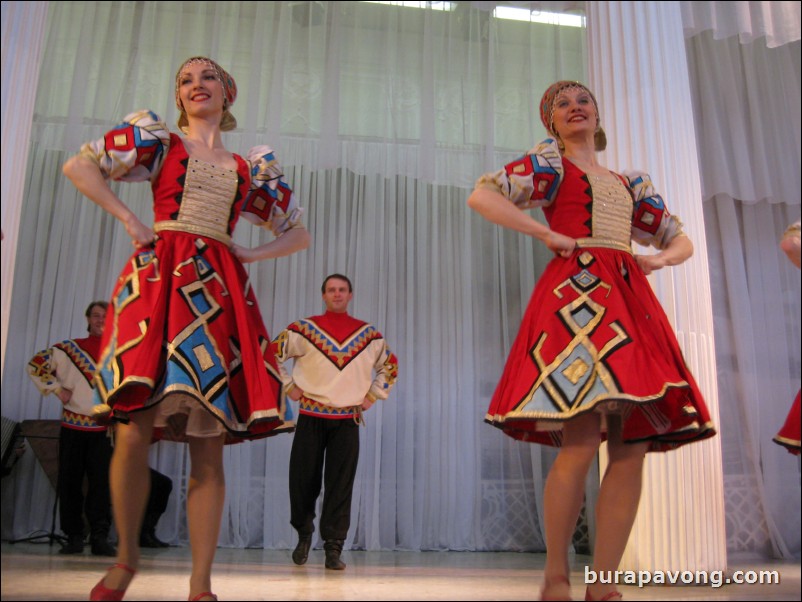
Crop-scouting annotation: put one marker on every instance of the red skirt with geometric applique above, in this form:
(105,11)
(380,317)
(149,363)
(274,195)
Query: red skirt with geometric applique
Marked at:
(184,321)
(594,338)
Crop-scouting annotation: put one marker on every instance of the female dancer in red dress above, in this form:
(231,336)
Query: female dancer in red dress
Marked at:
(595,357)
(185,352)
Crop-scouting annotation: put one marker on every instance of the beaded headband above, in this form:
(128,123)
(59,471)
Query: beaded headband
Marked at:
(228,122)
(547,104)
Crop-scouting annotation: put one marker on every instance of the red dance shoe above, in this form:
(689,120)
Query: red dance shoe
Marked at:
(202,595)
(101,592)
(613,595)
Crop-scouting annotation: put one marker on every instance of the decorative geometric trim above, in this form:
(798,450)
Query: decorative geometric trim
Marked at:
(339,353)
(79,422)
(793,445)
(310,407)
(80,358)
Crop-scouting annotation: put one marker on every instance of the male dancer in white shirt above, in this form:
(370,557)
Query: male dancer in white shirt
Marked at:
(341,367)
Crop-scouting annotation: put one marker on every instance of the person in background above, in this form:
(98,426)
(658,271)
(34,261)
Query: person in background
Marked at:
(160,487)
(66,370)
(341,367)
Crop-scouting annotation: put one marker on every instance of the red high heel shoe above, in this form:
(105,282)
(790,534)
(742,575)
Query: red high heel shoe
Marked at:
(101,592)
(203,595)
(547,585)
(613,595)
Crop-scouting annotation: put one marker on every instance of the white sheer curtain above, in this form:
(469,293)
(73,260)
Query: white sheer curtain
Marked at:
(383,117)
(22,37)
(778,22)
(746,86)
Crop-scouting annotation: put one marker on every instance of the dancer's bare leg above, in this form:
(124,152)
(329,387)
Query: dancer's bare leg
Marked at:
(563,497)
(617,505)
(205,498)
(129,481)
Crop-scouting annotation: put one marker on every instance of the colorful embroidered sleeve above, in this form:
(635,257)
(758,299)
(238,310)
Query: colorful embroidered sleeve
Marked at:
(270,202)
(652,224)
(283,349)
(42,372)
(386,368)
(531,181)
(133,151)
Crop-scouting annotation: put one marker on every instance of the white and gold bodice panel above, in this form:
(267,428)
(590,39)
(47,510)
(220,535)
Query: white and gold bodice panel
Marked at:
(612,209)
(209,192)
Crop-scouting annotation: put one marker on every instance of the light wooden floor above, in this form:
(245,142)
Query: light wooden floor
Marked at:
(35,571)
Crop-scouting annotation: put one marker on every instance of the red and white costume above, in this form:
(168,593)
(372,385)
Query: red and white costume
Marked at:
(183,328)
(335,360)
(84,446)
(69,365)
(594,337)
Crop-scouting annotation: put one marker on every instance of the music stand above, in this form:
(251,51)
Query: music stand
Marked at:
(11,446)
(43,437)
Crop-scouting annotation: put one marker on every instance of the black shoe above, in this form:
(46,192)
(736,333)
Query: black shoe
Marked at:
(149,540)
(301,551)
(73,545)
(102,547)
(333,549)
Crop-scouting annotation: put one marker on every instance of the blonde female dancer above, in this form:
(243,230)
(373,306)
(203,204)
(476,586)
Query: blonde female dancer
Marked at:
(185,353)
(595,357)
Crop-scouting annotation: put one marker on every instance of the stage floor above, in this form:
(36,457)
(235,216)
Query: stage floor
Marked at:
(33,571)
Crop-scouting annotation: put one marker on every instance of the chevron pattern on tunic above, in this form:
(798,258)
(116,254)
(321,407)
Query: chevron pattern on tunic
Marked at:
(80,422)
(339,353)
(79,357)
(310,406)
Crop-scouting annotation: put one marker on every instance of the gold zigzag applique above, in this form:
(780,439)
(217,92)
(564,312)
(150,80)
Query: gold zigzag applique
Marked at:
(79,357)
(318,408)
(78,419)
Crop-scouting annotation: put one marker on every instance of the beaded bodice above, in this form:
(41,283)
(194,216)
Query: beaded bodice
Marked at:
(612,209)
(208,194)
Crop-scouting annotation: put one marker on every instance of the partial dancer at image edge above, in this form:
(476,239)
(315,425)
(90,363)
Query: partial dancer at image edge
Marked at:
(185,351)
(791,431)
(595,358)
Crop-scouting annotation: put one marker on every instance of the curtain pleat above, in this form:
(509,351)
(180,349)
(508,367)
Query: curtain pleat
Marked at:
(747,111)
(777,22)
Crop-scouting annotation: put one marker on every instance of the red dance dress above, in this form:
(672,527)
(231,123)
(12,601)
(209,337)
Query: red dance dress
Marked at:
(183,330)
(594,337)
(789,435)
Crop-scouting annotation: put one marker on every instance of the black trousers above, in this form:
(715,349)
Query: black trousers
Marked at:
(324,451)
(84,453)
(160,487)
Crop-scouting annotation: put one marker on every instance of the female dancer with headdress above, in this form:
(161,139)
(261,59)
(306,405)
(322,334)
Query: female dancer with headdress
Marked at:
(595,357)
(185,353)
